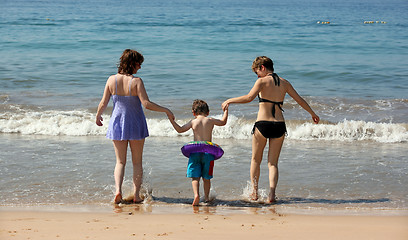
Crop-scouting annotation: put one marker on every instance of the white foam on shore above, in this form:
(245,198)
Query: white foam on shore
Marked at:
(350,130)
(82,123)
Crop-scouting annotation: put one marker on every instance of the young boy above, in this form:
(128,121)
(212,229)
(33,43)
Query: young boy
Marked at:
(200,164)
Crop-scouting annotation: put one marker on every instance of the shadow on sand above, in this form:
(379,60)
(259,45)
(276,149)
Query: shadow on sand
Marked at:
(260,203)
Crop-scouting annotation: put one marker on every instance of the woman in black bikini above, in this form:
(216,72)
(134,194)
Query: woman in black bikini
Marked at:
(270,124)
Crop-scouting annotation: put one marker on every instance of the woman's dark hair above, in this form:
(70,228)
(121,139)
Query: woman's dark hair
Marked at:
(128,61)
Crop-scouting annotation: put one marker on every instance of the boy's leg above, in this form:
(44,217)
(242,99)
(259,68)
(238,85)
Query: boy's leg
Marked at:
(258,146)
(275,146)
(136,147)
(196,189)
(207,187)
(207,163)
(194,172)
(120,152)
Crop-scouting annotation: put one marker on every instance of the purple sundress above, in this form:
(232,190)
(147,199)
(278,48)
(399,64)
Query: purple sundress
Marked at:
(128,121)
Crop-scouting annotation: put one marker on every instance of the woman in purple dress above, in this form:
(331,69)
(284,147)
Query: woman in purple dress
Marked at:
(127,125)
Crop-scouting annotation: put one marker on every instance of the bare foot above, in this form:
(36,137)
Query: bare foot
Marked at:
(118,198)
(271,201)
(208,200)
(137,199)
(254,196)
(196,201)
(271,197)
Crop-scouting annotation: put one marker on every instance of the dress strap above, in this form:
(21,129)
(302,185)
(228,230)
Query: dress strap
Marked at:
(116,86)
(130,86)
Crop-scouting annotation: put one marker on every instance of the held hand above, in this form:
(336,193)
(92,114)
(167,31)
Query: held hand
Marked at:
(316,119)
(226,109)
(99,121)
(225,105)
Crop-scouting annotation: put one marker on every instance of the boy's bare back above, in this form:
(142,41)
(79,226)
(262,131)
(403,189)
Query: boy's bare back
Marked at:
(202,127)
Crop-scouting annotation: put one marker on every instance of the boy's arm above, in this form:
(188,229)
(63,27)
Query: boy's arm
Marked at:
(223,120)
(178,128)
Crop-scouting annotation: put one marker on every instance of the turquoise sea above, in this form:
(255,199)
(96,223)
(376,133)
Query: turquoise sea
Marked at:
(346,58)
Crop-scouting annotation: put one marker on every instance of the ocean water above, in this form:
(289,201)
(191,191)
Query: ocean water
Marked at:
(57,55)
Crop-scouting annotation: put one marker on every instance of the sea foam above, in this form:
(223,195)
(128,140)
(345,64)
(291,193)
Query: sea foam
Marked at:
(82,123)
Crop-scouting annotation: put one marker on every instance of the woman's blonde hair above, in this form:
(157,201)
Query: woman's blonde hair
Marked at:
(262,60)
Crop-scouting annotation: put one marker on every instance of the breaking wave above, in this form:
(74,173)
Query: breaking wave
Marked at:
(81,123)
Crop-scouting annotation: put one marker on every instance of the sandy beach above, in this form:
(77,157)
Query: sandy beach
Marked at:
(345,178)
(129,225)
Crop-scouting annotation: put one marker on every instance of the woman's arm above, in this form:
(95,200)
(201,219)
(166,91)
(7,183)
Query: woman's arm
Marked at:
(181,129)
(144,98)
(292,92)
(103,104)
(245,98)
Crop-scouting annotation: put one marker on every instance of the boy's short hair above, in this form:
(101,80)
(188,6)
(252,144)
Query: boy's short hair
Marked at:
(200,107)
(262,60)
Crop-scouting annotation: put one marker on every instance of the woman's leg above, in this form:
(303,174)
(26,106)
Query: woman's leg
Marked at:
(275,146)
(120,152)
(258,145)
(136,147)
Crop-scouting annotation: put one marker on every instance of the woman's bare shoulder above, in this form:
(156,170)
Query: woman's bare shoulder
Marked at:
(111,80)
(285,82)
(137,79)
(262,81)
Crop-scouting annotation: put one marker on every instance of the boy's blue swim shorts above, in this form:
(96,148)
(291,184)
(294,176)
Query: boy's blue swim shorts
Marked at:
(200,165)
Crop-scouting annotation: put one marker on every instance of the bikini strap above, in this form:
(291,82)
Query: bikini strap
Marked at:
(276,79)
(266,100)
(279,104)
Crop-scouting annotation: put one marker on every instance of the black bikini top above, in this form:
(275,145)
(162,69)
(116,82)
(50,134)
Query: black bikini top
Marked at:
(274,104)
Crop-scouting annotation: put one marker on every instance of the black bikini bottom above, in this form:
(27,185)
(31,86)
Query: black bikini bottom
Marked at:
(270,129)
